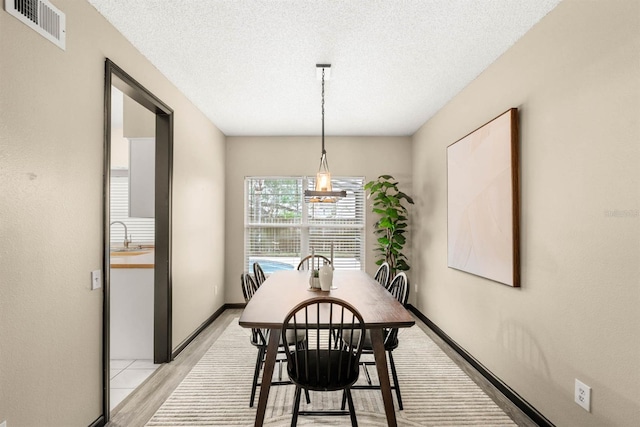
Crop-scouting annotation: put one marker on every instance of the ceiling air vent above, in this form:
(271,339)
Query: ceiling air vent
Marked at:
(41,16)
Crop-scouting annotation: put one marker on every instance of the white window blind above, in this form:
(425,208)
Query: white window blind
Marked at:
(280,228)
(142,230)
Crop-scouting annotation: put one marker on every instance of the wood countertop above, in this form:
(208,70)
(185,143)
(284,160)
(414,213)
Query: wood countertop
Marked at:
(142,258)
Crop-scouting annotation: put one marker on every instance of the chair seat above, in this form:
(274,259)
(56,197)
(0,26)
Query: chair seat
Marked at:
(257,341)
(390,343)
(341,371)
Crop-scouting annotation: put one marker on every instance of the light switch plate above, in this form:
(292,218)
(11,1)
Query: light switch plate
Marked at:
(96,282)
(3,424)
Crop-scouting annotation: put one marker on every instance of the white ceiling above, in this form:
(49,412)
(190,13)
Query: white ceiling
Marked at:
(250,65)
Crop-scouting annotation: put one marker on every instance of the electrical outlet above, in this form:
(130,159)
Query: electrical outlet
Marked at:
(215,290)
(415,288)
(96,282)
(583,395)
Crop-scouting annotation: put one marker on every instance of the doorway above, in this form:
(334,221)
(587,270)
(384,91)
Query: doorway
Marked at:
(157,206)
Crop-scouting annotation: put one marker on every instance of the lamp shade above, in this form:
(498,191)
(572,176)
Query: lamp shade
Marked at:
(323,181)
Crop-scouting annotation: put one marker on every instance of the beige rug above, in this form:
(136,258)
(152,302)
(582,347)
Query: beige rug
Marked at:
(435,392)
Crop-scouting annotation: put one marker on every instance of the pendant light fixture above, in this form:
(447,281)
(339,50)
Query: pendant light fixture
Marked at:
(323,192)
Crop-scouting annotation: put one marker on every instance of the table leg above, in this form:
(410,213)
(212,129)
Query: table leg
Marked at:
(267,374)
(383,374)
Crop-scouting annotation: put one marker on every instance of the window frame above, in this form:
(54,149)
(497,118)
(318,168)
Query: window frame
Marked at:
(304,225)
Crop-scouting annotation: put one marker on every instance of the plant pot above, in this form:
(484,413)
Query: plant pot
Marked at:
(314,282)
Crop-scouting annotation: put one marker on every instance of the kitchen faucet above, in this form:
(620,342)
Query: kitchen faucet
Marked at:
(126,239)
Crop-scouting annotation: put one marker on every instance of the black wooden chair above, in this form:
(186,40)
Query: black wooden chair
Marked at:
(318,260)
(383,273)
(249,286)
(399,288)
(325,362)
(260,338)
(258,274)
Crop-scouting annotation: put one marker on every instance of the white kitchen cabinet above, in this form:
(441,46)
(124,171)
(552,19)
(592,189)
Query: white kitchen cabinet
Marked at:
(142,175)
(131,313)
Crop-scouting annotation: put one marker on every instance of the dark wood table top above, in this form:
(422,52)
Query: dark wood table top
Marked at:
(283,290)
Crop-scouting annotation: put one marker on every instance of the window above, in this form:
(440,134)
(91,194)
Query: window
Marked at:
(141,230)
(280,228)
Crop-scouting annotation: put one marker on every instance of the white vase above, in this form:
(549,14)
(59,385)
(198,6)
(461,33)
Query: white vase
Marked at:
(326,277)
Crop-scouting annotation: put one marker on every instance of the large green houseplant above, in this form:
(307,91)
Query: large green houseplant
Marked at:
(391,226)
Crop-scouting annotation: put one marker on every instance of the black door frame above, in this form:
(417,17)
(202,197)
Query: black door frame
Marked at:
(115,76)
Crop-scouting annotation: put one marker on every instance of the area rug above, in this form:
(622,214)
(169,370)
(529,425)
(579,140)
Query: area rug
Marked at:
(435,391)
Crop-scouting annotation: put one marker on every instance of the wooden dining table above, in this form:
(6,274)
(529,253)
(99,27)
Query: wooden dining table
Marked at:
(283,290)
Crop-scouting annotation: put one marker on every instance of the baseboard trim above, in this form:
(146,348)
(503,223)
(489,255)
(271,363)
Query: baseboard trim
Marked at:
(235,305)
(98,422)
(202,327)
(195,333)
(514,397)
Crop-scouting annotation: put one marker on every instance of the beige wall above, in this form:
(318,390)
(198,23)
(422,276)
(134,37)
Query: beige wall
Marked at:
(283,156)
(51,204)
(138,122)
(575,78)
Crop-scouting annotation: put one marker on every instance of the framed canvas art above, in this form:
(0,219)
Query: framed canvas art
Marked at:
(483,201)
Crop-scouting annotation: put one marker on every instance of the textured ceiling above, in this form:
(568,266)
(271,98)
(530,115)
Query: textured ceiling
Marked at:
(250,65)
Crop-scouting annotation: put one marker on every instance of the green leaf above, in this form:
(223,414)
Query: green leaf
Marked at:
(391,212)
(385,177)
(385,223)
(402,195)
(401,264)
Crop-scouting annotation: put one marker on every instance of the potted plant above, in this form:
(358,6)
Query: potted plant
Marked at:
(391,226)
(314,279)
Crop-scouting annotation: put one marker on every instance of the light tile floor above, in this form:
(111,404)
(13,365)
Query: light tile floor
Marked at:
(126,376)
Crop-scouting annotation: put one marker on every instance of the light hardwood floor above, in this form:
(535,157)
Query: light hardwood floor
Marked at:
(140,405)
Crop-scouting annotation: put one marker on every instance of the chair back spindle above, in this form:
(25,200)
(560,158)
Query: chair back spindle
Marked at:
(399,288)
(310,261)
(325,362)
(249,286)
(382,274)
(258,273)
